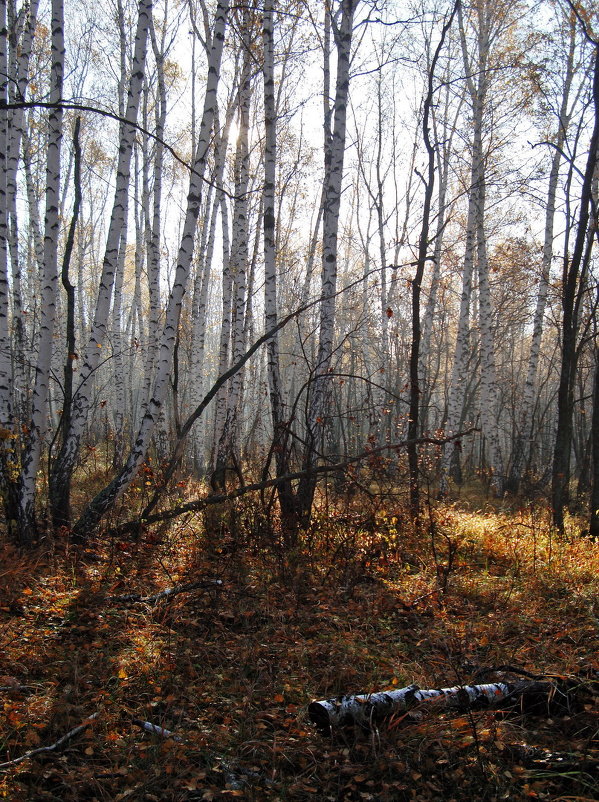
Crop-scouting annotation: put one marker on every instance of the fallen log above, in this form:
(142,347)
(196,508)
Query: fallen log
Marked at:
(366,710)
(169,593)
(156,729)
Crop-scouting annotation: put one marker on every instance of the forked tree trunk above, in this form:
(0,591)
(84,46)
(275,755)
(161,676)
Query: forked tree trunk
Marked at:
(107,497)
(62,470)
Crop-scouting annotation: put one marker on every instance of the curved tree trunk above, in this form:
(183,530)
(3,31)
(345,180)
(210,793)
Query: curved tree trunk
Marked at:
(574,270)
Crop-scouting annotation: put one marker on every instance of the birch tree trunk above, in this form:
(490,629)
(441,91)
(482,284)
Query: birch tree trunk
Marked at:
(444,130)
(8,452)
(62,469)
(39,413)
(69,287)
(20,42)
(226,450)
(451,454)
(153,214)
(280,442)
(107,497)
(118,365)
(477,82)
(320,388)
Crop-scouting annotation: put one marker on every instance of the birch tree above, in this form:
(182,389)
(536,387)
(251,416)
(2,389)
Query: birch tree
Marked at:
(280,443)
(37,428)
(489,21)
(107,497)
(62,469)
(8,455)
(334,158)
(236,280)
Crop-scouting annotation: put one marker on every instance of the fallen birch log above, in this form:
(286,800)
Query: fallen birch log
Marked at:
(169,593)
(368,709)
(156,729)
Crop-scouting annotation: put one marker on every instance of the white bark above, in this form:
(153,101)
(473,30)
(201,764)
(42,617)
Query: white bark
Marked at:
(106,498)
(153,221)
(202,281)
(332,202)
(270,177)
(238,262)
(37,427)
(118,363)
(477,82)
(20,51)
(444,130)
(63,467)
(367,710)
(6,415)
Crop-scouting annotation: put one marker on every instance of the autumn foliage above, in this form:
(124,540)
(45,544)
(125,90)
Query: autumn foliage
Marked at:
(228,668)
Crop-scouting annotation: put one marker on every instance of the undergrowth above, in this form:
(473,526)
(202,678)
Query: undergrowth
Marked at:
(363,602)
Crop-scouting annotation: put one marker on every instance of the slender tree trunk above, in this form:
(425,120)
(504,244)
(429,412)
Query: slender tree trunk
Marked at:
(594,500)
(226,451)
(118,363)
(423,248)
(9,464)
(20,52)
(320,389)
(69,287)
(280,442)
(39,414)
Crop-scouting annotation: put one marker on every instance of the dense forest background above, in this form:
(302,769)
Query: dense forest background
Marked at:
(249,243)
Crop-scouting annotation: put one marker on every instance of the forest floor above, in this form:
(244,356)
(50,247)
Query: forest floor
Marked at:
(229,666)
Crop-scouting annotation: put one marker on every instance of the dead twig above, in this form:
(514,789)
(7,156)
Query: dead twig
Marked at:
(53,747)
